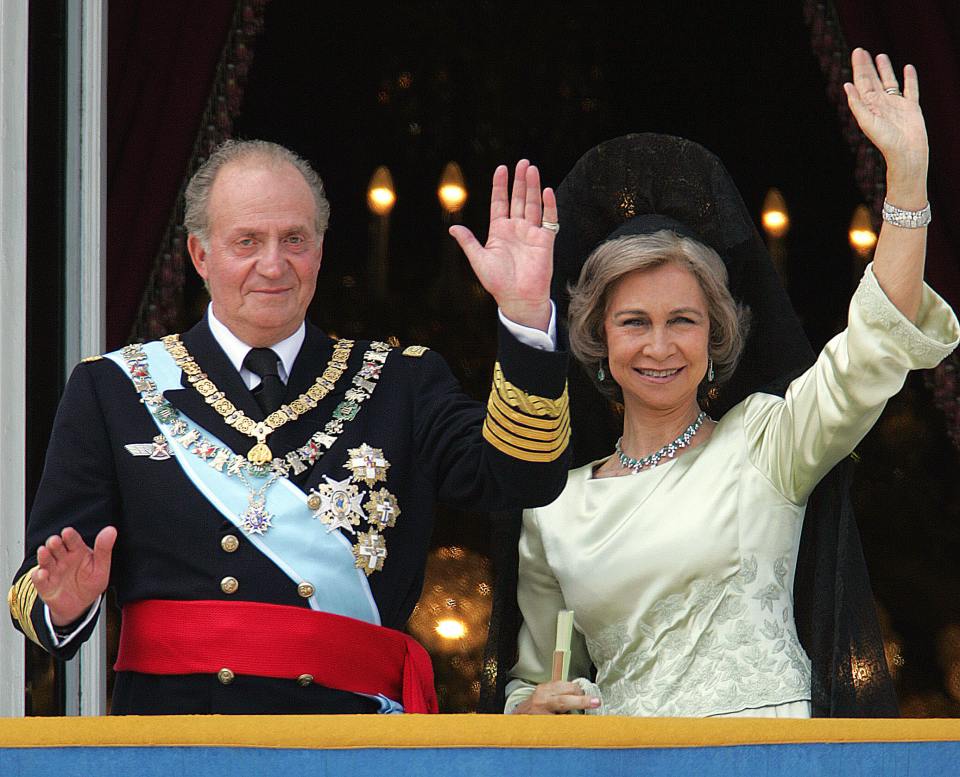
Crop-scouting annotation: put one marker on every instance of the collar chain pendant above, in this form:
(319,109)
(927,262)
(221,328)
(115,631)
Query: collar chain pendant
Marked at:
(259,464)
(260,453)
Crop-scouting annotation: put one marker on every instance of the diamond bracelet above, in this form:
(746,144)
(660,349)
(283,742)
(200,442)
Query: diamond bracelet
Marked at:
(907,219)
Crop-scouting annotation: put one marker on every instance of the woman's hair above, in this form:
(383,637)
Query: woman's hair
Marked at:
(611,261)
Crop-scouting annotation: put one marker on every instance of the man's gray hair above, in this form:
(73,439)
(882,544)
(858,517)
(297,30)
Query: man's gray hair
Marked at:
(197,195)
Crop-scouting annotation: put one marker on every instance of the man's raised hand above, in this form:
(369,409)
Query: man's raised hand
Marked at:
(516,264)
(70,575)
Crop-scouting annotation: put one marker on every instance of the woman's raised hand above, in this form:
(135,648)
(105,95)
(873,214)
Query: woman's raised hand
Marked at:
(889,117)
(894,124)
(516,263)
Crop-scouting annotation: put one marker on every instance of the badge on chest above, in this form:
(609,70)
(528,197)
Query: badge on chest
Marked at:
(157,450)
(347,506)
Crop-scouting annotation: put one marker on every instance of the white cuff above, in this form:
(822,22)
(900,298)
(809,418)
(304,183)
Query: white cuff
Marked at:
(60,642)
(535,338)
(517,692)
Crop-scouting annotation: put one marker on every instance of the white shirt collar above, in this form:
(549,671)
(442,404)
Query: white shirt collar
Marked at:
(237,350)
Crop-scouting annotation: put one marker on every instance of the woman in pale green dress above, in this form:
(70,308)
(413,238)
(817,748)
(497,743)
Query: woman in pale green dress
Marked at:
(677,553)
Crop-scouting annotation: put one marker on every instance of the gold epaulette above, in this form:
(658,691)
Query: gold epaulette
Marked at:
(21,598)
(415,350)
(95,358)
(525,426)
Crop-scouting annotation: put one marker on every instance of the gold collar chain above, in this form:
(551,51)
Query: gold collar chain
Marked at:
(256,519)
(233,416)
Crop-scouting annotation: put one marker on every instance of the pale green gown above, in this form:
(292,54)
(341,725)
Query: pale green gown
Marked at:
(681,576)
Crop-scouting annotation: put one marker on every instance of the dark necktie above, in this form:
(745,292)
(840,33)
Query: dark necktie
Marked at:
(269,394)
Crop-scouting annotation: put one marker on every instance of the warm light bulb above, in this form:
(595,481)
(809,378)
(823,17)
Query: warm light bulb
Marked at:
(452,197)
(776,221)
(382,199)
(451,628)
(452,191)
(381,196)
(862,237)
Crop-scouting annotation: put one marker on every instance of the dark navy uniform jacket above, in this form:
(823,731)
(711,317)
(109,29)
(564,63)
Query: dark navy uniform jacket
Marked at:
(169,536)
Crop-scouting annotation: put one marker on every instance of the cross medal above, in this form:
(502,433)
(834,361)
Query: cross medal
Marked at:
(255,519)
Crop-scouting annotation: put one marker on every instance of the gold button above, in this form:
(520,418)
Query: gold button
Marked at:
(306,590)
(225,676)
(313,502)
(229,585)
(305,680)
(229,543)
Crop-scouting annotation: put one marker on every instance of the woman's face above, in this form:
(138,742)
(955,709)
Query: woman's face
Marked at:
(658,330)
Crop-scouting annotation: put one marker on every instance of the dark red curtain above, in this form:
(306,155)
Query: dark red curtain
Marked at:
(162,59)
(926,34)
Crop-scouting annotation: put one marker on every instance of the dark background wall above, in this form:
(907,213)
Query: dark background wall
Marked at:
(415,85)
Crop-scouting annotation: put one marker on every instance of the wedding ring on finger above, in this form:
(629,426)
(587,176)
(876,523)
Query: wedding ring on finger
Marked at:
(894,90)
(553,226)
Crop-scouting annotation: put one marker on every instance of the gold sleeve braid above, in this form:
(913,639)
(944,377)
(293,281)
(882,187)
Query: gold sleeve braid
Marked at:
(21,598)
(525,426)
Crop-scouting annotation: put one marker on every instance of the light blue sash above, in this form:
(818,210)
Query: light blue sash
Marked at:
(297,543)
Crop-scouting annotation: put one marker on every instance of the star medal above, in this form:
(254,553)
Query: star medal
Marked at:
(255,519)
(370,551)
(337,504)
(382,509)
(367,464)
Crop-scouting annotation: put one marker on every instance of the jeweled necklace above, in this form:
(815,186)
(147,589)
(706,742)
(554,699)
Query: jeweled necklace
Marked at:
(233,416)
(668,451)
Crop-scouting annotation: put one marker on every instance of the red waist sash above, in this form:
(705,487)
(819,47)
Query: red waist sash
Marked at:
(270,640)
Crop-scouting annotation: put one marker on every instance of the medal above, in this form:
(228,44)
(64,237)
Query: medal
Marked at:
(337,504)
(255,519)
(157,450)
(370,551)
(260,453)
(367,464)
(382,509)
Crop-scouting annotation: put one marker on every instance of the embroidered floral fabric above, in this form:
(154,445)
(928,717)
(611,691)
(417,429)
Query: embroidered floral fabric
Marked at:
(749,654)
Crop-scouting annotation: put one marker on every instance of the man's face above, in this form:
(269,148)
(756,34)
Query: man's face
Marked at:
(264,253)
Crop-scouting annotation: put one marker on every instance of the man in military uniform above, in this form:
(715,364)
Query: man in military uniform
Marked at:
(261,496)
